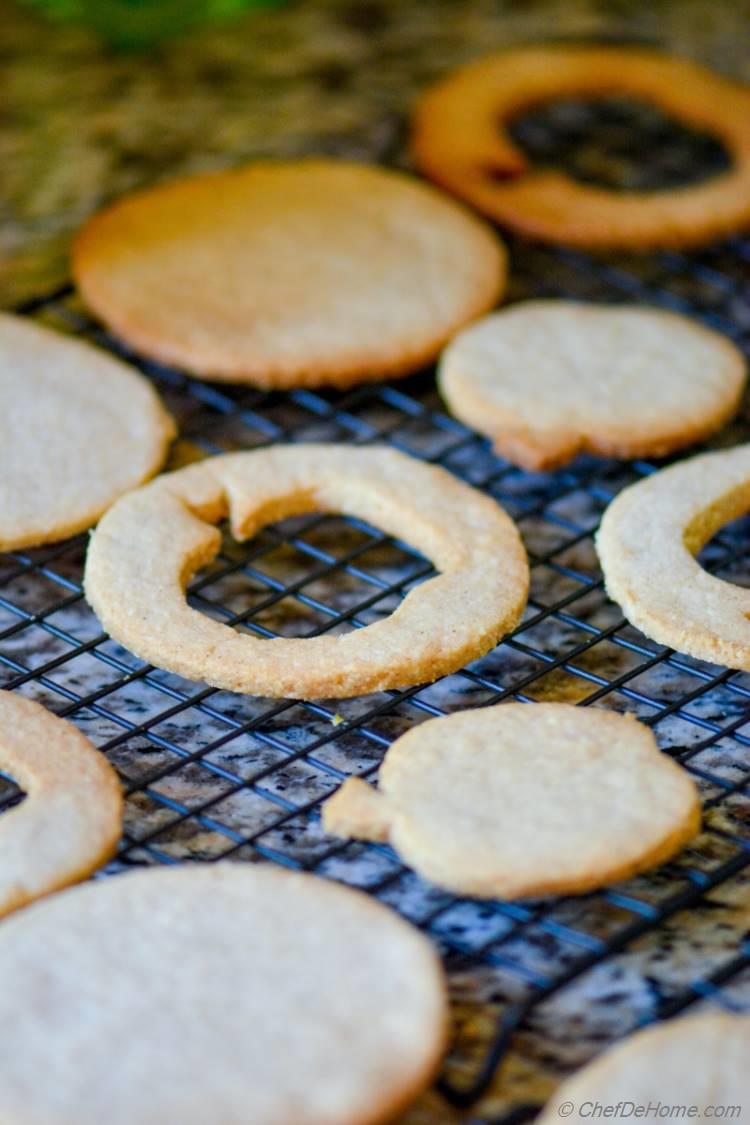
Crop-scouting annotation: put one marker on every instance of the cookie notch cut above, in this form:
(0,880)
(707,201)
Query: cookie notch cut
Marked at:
(520,800)
(460,140)
(647,543)
(549,379)
(150,543)
(71,820)
(285,274)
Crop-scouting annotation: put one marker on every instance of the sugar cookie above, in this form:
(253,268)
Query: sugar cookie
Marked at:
(461,140)
(549,379)
(71,819)
(524,799)
(150,543)
(290,274)
(647,542)
(698,1060)
(243,994)
(77,429)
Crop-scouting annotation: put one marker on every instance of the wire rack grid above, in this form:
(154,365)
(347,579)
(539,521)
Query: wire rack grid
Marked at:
(209,775)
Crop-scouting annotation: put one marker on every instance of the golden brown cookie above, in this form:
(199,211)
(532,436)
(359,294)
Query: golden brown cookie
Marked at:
(647,543)
(233,993)
(695,1061)
(524,799)
(461,140)
(77,429)
(289,274)
(71,819)
(146,549)
(547,380)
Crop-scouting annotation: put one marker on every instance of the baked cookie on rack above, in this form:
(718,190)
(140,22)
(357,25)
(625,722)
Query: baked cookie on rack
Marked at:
(77,429)
(289,274)
(695,1061)
(71,820)
(461,140)
(647,543)
(547,380)
(146,549)
(524,799)
(245,994)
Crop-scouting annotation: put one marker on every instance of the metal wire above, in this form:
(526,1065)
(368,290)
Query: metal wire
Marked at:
(211,776)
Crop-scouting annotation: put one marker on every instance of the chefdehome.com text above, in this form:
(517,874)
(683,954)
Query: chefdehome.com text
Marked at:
(650,1111)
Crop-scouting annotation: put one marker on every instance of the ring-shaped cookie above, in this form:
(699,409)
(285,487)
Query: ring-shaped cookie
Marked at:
(71,819)
(460,140)
(152,540)
(647,542)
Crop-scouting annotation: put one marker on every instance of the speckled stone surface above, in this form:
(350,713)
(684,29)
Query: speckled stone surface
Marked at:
(211,774)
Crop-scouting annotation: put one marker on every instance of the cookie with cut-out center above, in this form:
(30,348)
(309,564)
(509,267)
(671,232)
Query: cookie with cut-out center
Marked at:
(461,139)
(234,993)
(148,546)
(697,1062)
(547,380)
(77,429)
(289,273)
(647,543)
(71,818)
(524,799)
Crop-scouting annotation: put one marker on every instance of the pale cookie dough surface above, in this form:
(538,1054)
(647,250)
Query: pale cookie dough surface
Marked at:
(150,543)
(71,820)
(232,993)
(287,274)
(547,380)
(524,799)
(647,542)
(77,429)
(461,140)
(699,1060)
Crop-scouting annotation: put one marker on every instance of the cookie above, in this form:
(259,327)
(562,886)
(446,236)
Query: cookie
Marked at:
(289,274)
(71,820)
(77,429)
(524,799)
(150,543)
(234,993)
(647,543)
(461,140)
(696,1061)
(547,380)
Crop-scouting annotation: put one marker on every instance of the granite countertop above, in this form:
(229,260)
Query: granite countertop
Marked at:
(81,124)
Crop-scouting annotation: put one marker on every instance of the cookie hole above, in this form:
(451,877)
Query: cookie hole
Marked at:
(307,575)
(620,143)
(727,553)
(11,794)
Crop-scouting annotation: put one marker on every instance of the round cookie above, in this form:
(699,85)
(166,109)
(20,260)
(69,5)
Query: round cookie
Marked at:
(461,140)
(77,429)
(150,543)
(289,274)
(647,543)
(698,1060)
(547,380)
(244,994)
(71,819)
(524,799)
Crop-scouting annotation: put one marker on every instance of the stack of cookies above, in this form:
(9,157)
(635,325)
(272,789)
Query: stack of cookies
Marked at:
(285,275)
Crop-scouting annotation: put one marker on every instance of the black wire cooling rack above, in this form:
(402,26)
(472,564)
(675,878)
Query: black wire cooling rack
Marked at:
(538,985)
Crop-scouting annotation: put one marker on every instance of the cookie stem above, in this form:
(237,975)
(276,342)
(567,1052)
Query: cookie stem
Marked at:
(357,810)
